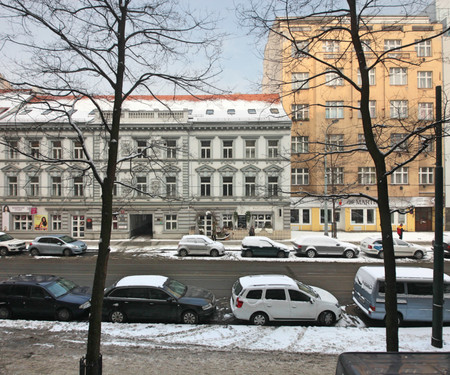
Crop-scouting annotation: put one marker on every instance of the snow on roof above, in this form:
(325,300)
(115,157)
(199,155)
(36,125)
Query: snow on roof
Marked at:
(403,273)
(255,280)
(142,280)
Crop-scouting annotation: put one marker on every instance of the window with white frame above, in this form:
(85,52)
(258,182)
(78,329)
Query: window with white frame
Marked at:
(56,222)
(334,109)
(372,77)
(57,150)
(330,216)
(335,176)
(141,186)
(250,186)
(56,182)
(397,142)
(333,79)
(400,176)
(272,186)
(227,149)
(171,148)
(205,186)
(33,186)
(423,48)
(301,216)
(398,218)
(390,44)
(299,48)
(425,111)
(171,186)
(362,216)
(330,46)
(426,175)
(425,80)
(398,76)
(35,149)
(262,220)
(334,142)
(300,144)
(171,222)
(11,149)
(250,149)
(272,148)
(23,222)
(227,221)
(13,186)
(227,186)
(300,176)
(372,109)
(115,222)
(78,186)
(205,149)
(399,109)
(365,44)
(300,112)
(141,148)
(366,175)
(362,141)
(77,150)
(300,81)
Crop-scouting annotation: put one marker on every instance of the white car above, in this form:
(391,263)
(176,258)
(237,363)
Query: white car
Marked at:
(374,246)
(10,245)
(263,298)
(198,244)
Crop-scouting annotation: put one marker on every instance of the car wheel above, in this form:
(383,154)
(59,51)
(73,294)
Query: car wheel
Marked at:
(214,253)
(189,317)
(34,252)
(248,253)
(5,313)
(418,254)
(63,315)
(381,254)
(259,319)
(327,318)
(67,253)
(182,253)
(349,254)
(3,251)
(311,253)
(281,254)
(117,316)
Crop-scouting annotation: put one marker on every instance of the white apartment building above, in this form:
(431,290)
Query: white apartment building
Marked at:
(186,164)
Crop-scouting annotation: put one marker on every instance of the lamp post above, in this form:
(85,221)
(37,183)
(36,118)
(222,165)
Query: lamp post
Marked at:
(325,186)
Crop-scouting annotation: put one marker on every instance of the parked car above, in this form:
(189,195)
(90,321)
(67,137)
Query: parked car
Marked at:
(374,246)
(10,245)
(263,298)
(56,244)
(261,246)
(445,243)
(312,246)
(43,296)
(198,244)
(156,298)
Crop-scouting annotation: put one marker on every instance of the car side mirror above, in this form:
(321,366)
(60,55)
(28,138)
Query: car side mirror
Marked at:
(171,300)
(311,301)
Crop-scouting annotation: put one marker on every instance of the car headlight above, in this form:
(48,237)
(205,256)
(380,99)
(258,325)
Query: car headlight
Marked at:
(85,305)
(207,307)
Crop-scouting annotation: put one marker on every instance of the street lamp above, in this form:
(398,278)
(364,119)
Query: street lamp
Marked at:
(325,187)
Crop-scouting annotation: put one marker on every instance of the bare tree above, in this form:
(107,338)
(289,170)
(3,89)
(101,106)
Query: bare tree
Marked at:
(80,49)
(307,32)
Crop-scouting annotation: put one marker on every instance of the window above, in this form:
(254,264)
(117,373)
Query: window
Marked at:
(231,111)
(250,149)
(396,141)
(78,187)
(334,142)
(397,218)
(423,49)
(362,142)
(227,149)
(141,186)
(426,175)
(390,44)
(329,215)
(57,150)
(250,186)
(210,111)
(272,186)
(399,109)
(11,149)
(398,76)
(372,109)
(366,175)
(300,176)
(227,221)
(227,186)
(334,109)
(77,150)
(205,186)
(425,80)
(300,81)
(251,111)
(115,222)
(426,111)
(205,149)
(254,294)
(171,186)
(372,77)
(56,182)
(171,222)
(56,222)
(297,296)
(365,44)
(330,46)
(400,176)
(362,216)
(420,289)
(300,144)
(33,186)
(333,79)
(141,148)
(301,216)
(23,222)
(272,148)
(262,220)
(300,112)
(299,47)
(335,176)
(34,149)
(171,149)
(13,186)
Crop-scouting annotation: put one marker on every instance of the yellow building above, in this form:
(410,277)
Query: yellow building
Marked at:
(312,63)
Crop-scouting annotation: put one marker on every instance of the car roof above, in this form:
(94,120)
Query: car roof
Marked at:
(142,280)
(195,236)
(255,239)
(263,280)
(27,279)
(418,273)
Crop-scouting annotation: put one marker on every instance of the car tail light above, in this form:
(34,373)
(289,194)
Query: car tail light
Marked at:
(239,303)
(299,247)
(369,246)
(371,309)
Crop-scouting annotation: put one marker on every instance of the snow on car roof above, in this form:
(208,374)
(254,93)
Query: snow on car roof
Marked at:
(404,273)
(254,280)
(142,280)
(255,240)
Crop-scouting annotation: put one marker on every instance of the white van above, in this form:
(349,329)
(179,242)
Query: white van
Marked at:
(414,293)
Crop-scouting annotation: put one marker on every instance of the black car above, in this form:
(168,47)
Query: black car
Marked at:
(445,244)
(157,299)
(43,297)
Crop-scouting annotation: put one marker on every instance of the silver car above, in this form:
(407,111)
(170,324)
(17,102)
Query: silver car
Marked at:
(56,244)
(198,244)
(312,246)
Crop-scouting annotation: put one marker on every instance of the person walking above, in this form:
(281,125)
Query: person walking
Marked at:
(400,231)
(251,232)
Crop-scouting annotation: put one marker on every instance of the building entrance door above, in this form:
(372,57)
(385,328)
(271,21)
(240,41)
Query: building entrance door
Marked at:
(424,219)
(78,226)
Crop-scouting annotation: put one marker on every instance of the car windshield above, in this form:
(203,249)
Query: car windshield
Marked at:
(67,239)
(307,289)
(176,288)
(5,237)
(61,287)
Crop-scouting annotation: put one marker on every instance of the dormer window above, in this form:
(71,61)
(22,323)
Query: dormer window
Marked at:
(231,111)
(274,110)
(210,111)
(251,111)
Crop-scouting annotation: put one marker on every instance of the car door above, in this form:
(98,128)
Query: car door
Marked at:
(18,296)
(55,246)
(201,246)
(40,304)
(162,306)
(301,307)
(266,248)
(276,303)
(402,248)
(134,302)
(45,246)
